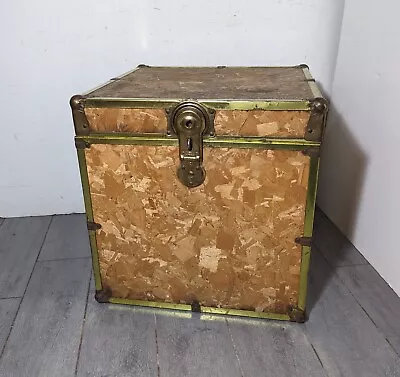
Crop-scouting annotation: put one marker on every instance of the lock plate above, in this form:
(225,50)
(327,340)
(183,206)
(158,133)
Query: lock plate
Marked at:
(190,122)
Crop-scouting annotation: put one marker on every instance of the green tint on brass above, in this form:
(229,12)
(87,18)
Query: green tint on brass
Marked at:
(204,309)
(244,313)
(308,230)
(212,142)
(89,216)
(165,103)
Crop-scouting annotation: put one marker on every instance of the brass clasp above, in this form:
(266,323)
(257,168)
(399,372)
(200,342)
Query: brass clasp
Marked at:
(190,122)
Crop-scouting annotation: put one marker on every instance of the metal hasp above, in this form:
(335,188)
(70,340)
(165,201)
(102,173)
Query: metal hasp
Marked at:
(190,122)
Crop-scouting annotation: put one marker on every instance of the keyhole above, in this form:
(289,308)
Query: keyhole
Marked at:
(189,144)
(189,123)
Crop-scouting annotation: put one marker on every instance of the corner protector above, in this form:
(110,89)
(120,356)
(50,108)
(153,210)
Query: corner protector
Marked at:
(81,124)
(303,66)
(103,295)
(296,314)
(316,123)
(143,66)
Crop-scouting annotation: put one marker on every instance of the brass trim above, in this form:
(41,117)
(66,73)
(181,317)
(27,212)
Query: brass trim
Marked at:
(211,142)
(311,81)
(89,216)
(227,104)
(150,139)
(204,309)
(308,230)
(81,123)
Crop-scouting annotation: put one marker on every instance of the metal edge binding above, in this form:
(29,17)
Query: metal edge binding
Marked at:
(307,147)
(308,230)
(210,104)
(77,103)
(296,314)
(103,295)
(89,216)
(203,309)
(316,123)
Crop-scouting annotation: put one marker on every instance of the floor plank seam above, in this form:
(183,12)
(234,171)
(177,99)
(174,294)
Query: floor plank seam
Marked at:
(156,338)
(61,259)
(393,348)
(23,295)
(319,359)
(83,325)
(10,298)
(234,348)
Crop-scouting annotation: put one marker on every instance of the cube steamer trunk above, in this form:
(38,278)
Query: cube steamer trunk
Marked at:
(200,185)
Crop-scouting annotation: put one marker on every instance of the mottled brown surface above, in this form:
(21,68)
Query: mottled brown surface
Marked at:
(126,120)
(261,123)
(227,122)
(240,83)
(228,243)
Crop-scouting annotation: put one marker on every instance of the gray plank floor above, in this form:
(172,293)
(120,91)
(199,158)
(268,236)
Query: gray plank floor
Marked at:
(50,324)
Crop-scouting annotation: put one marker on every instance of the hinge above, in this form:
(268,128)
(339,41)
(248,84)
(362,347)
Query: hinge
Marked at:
(103,295)
(316,123)
(303,241)
(93,226)
(81,144)
(296,314)
(81,124)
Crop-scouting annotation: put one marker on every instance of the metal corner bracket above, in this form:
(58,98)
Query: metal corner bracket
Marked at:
(81,123)
(296,314)
(103,295)
(316,123)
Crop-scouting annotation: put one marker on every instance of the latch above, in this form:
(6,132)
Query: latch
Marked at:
(190,122)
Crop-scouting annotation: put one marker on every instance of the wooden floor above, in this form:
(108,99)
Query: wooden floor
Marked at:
(50,324)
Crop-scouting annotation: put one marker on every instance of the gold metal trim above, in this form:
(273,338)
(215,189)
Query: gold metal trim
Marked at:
(296,144)
(311,82)
(204,309)
(308,230)
(227,104)
(89,216)
(212,142)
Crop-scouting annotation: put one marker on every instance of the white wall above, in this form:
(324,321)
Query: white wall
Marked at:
(51,50)
(360,174)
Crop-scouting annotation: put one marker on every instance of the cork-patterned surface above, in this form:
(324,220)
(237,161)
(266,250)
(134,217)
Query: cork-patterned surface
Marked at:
(228,243)
(126,120)
(227,122)
(261,123)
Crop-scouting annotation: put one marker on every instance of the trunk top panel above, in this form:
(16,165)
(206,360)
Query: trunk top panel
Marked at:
(202,83)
